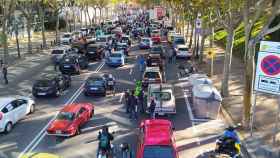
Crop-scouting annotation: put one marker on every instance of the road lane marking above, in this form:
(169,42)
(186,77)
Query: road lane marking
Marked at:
(121,98)
(130,71)
(42,133)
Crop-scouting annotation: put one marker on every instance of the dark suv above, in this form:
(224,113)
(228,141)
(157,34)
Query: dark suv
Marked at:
(94,51)
(51,85)
(95,85)
(70,64)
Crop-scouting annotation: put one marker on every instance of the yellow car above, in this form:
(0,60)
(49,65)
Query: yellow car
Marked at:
(40,155)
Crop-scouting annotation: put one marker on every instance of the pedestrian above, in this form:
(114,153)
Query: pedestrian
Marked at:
(141,101)
(5,73)
(126,96)
(141,63)
(174,53)
(149,62)
(132,105)
(152,108)
(56,64)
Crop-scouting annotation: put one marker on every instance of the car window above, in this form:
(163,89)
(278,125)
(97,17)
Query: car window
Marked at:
(157,151)
(116,55)
(66,116)
(92,48)
(156,49)
(183,49)
(7,108)
(101,39)
(66,36)
(165,96)
(21,102)
(151,75)
(56,51)
(179,41)
(82,110)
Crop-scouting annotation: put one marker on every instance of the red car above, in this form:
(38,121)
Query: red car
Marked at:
(156,139)
(156,36)
(70,119)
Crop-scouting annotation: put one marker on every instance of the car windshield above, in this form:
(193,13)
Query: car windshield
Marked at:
(68,60)
(155,32)
(43,83)
(183,49)
(165,96)
(157,151)
(92,49)
(151,75)
(101,39)
(94,81)
(65,116)
(56,51)
(156,49)
(116,55)
(179,41)
(146,40)
(66,36)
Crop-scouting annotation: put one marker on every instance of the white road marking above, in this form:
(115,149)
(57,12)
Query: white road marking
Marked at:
(121,98)
(30,147)
(130,71)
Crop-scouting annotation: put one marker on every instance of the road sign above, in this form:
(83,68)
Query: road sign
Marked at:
(211,54)
(268,68)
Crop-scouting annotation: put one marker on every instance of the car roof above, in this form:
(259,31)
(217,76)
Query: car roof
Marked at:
(118,52)
(157,132)
(74,107)
(152,69)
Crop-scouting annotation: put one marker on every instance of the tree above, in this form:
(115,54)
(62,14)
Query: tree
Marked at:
(101,4)
(6,10)
(41,5)
(252,12)
(57,7)
(229,17)
(27,9)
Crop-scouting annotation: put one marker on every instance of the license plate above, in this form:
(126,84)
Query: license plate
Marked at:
(154,64)
(58,132)
(110,83)
(66,66)
(93,88)
(152,79)
(41,93)
(160,113)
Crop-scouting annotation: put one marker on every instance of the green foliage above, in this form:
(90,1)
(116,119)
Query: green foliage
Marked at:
(239,40)
(51,23)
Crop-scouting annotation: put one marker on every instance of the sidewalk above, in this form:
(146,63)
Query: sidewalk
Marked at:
(260,145)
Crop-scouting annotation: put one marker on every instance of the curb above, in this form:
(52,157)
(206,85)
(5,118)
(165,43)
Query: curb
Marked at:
(229,120)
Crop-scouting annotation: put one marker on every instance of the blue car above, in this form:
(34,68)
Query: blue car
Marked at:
(116,59)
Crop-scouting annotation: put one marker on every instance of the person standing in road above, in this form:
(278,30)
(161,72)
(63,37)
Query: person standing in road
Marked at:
(174,53)
(141,101)
(152,108)
(5,73)
(133,104)
(141,63)
(126,97)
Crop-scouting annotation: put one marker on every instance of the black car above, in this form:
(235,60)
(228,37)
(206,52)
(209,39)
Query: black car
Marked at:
(51,85)
(122,46)
(94,51)
(126,39)
(82,59)
(157,50)
(95,85)
(69,65)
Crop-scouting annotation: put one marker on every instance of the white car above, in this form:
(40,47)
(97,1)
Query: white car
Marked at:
(164,98)
(84,31)
(182,51)
(58,52)
(66,38)
(13,109)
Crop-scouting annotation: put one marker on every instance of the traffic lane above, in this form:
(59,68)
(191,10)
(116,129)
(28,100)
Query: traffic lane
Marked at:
(25,130)
(108,110)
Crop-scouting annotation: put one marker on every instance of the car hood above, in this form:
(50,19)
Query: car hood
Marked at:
(60,125)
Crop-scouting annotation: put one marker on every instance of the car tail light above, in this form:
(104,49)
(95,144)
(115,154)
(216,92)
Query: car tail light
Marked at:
(1,115)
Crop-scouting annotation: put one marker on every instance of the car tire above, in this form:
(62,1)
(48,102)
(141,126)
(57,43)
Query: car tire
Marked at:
(8,127)
(86,94)
(32,109)
(92,113)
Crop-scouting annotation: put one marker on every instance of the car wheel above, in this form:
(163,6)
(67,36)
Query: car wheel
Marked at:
(32,108)
(85,94)
(8,127)
(92,113)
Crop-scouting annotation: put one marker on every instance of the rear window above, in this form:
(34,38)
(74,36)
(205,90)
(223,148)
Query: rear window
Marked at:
(101,39)
(183,49)
(56,51)
(92,48)
(65,116)
(43,83)
(66,36)
(151,75)
(95,81)
(146,40)
(156,49)
(165,96)
(179,41)
(116,55)
(157,151)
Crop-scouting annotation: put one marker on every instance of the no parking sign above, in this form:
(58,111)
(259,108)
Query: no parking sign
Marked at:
(268,68)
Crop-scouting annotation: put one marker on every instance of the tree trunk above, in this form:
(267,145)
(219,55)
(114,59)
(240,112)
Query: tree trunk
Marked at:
(67,21)
(74,19)
(89,18)
(187,34)
(249,77)
(212,36)
(29,35)
(42,19)
(202,48)
(227,62)
(95,15)
(17,42)
(5,44)
(100,15)
(57,29)
(191,36)
(81,18)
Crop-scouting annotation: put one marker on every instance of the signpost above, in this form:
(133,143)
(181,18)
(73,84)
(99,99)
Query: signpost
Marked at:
(211,55)
(267,77)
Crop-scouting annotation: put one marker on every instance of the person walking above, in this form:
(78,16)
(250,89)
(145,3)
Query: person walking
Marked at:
(126,98)
(141,63)
(132,105)
(5,73)
(152,108)
(141,101)
(174,53)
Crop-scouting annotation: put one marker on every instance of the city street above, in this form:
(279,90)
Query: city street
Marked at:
(193,136)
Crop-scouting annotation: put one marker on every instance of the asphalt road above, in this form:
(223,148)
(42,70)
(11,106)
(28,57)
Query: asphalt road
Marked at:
(29,135)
